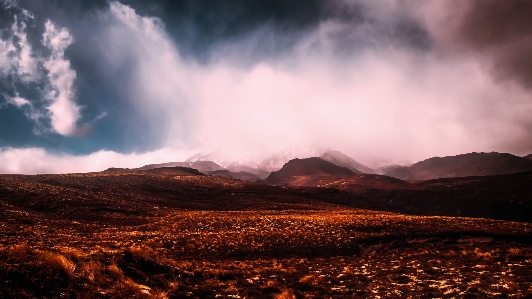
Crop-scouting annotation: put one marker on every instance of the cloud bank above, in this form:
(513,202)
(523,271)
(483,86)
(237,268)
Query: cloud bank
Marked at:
(380,81)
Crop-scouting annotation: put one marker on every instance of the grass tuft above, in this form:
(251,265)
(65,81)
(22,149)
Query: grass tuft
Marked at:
(59,262)
(286,294)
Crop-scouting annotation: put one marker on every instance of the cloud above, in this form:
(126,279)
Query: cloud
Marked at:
(496,32)
(15,54)
(64,112)
(156,86)
(39,160)
(380,81)
(17,101)
(24,66)
(31,71)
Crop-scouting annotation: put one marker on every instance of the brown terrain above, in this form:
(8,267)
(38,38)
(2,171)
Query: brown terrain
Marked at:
(239,175)
(307,172)
(176,233)
(472,164)
(202,166)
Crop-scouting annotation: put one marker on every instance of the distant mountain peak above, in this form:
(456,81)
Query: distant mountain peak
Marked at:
(277,160)
(307,172)
(341,159)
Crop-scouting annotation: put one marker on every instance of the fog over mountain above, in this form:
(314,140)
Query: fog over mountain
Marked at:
(88,85)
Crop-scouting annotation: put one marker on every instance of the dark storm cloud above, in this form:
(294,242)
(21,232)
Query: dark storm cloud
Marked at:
(199,27)
(502,31)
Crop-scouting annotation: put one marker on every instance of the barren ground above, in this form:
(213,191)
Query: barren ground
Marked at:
(179,235)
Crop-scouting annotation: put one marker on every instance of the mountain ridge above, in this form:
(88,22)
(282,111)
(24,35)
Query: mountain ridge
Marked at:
(464,165)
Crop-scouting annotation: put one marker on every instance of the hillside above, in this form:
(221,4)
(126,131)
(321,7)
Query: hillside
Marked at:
(343,160)
(260,173)
(202,166)
(307,172)
(370,181)
(472,164)
(239,175)
(500,196)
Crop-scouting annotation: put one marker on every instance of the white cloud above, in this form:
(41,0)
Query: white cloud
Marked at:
(158,80)
(15,55)
(18,59)
(6,50)
(64,112)
(18,101)
(26,63)
(39,161)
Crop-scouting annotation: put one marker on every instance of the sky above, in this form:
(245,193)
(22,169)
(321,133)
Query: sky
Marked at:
(87,85)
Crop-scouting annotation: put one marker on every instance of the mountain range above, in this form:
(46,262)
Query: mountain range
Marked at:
(297,168)
(471,164)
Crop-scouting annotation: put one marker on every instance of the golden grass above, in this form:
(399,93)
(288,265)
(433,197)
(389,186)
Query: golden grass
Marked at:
(312,279)
(272,253)
(59,262)
(286,294)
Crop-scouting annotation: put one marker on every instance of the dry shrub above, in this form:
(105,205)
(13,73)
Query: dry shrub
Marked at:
(141,252)
(510,284)
(133,287)
(312,279)
(159,295)
(183,265)
(21,252)
(232,289)
(451,253)
(91,269)
(59,262)
(173,286)
(348,270)
(483,255)
(286,294)
(515,251)
(272,283)
(115,271)
(72,254)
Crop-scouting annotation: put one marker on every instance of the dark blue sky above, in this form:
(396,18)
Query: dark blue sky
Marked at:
(241,77)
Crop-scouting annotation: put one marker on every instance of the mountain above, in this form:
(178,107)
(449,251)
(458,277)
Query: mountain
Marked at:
(343,160)
(278,160)
(529,157)
(275,161)
(202,166)
(215,157)
(471,164)
(307,172)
